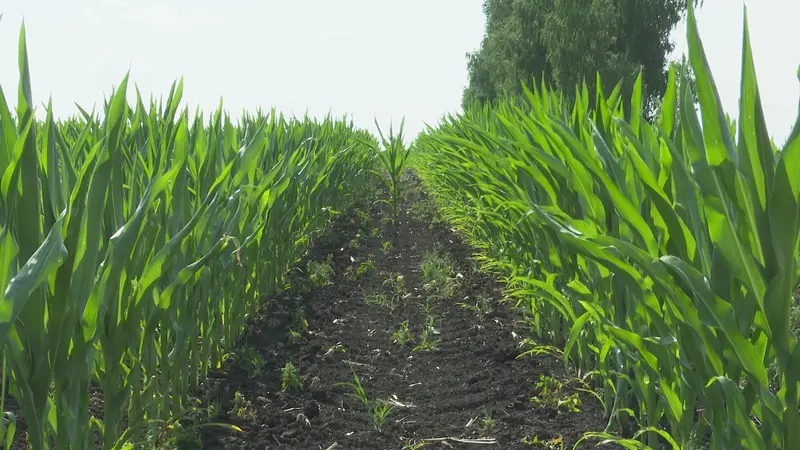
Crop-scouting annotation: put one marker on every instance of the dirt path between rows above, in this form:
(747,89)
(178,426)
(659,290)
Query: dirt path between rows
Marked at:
(454,375)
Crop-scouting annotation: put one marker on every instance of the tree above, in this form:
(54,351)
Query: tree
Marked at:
(564,42)
(510,51)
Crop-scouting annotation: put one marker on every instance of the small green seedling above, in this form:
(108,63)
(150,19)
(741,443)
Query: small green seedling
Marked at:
(438,274)
(249,360)
(299,321)
(551,444)
(242,407)
(366,267)
(385,222)
(321,273)
(290,378)
(378,300)
(295,337)
(182,430)
(482,306)
(396,285)
(403,335)
(336,348)
(362,217)
(427,341)
(487,425)
(547,393)
(358,390)
(356,242)
(535,349)
(380,411)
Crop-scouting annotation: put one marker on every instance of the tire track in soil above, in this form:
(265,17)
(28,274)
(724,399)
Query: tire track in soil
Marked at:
(473,373)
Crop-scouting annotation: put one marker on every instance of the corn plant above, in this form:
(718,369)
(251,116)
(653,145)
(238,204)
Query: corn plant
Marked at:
(136,242)
(393,158)
(380,412)
(358,390)
(662,255)
(403,335)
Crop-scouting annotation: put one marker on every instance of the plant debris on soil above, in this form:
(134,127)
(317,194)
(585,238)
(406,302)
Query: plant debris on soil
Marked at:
(402,308)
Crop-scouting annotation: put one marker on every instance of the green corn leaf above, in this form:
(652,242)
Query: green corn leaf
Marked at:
(636,106)
(8,134)
(718,143)
(755,150)
(723,315)
(669,103)
(35,271)
(743,426)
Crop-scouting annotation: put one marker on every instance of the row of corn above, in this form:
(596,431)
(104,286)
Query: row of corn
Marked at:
(663,255)
(136,242)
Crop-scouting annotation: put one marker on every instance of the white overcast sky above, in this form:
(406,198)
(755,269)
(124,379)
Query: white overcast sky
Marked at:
(367,58)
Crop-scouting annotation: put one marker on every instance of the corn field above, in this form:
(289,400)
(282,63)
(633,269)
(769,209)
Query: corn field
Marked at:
(663,256)
(136,243)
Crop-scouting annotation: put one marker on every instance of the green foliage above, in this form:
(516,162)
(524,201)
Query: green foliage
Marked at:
(320,273)
(564,43)
(395,284)
(242,407)
(295,337)
(355,243)
(438,274)
(392,158)
(290,378)
(393,295)
(534,349)
(403,335)
(358,389)
(662,254)
(335,348)
(487,425)
(427,337)
(299,321)
(548,393)
(414,446)
(366,267)
(482,306)
(535,442)
(378,411)
(379,299)
(249,360)
(136,242)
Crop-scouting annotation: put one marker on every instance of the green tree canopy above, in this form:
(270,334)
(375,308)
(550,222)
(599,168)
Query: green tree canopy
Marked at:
(564,42)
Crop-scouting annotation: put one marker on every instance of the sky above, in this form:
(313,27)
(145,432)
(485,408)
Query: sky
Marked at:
(383,60)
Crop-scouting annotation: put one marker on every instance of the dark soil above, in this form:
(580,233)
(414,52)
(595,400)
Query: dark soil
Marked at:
(471,386)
